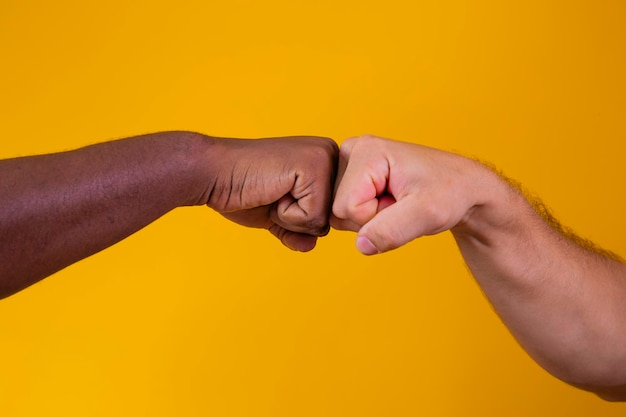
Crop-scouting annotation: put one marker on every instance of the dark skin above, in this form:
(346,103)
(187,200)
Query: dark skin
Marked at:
(59,208)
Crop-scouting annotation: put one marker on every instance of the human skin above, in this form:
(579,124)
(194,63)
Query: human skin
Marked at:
(59,208)
(562,299)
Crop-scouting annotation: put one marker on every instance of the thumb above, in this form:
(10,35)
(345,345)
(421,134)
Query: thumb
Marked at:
(392,227)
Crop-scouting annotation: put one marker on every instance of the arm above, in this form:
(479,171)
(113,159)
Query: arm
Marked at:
(59,208)
(564,301)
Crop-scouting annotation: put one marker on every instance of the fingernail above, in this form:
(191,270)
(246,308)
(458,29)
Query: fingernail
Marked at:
(365,246)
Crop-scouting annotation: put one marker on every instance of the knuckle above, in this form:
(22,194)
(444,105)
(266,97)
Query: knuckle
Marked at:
(349,142)
(360,213)
(367,139)
(343,211)
(339,209)
(318,225)
(324,153)
(353,212)
(367,136)
(330,146)
(358,143)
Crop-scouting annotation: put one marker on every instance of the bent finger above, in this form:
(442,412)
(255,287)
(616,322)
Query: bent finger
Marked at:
(289,214)
(344,224)
(299,242)
(363,178)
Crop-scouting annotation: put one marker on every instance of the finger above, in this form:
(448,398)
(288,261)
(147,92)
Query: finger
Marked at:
(306,208)
(289,214)
(295,241)
(394,226)
(345,224)
(361,182)
(385,201)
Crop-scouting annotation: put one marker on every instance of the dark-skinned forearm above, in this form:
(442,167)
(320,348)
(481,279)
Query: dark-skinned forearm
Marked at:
(59,208)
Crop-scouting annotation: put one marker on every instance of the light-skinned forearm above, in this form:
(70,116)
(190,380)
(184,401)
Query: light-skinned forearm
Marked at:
(565,304)
(59,208)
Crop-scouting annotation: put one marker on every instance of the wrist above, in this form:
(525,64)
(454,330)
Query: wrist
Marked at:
(498,205)
(198,161)
(217,165)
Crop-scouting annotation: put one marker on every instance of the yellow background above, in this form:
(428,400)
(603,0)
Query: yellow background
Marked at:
(195,316)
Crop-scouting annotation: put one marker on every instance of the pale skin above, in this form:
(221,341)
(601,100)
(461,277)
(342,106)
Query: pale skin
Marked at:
(59,208)
(565,303)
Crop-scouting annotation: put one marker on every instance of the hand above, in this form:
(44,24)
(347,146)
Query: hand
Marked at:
(393,192)
(281,184)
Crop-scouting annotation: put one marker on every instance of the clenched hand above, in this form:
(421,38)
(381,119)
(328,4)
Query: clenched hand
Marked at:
(280,184)
(392,192)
